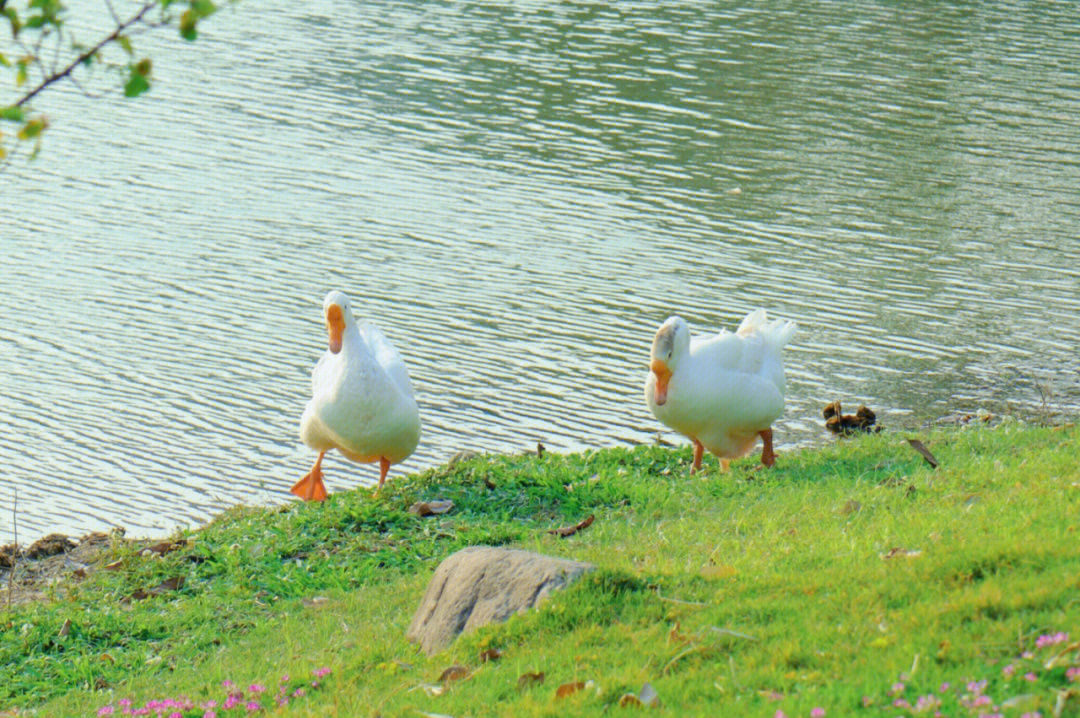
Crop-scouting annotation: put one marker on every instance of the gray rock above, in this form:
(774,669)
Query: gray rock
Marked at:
(481,585)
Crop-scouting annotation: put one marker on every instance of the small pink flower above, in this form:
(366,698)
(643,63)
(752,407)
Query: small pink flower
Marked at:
(867,701)
(944,687)
(285,678)
(1050,639)
(209,714)
(256,688)
(1030,677)
(976,687)
(252,706)
(926,702)
(124,702)
(227,685)
(105,711)
(1032,714)
(897,688)
(299,693)
(320,672)
(1073,674)
(1027,654)
(1009,670)
(779,714)
(982,701)
(231,702)
(176,714)
(901,703)
(817,713)
(776,696)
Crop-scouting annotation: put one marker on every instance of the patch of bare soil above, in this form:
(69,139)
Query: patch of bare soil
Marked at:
(27,574)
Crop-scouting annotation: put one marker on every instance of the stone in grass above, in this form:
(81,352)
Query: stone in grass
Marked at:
(481,585)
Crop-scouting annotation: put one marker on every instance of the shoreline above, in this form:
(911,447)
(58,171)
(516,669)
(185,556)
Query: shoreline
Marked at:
(57,558)
(901,557)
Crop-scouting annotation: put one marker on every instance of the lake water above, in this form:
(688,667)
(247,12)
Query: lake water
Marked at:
(518,194)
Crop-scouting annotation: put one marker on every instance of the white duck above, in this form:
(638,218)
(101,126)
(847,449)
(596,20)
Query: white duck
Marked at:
(362,402)
(721,391)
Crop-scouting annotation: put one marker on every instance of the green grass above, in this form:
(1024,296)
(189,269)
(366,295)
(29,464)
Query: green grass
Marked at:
(732,594)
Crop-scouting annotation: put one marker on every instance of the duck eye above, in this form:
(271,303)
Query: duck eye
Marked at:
(669,353)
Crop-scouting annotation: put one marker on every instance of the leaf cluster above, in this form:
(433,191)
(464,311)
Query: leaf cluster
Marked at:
(43,51)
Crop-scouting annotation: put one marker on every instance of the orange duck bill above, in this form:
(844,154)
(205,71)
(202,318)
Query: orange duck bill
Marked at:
(663,376)
(335,327)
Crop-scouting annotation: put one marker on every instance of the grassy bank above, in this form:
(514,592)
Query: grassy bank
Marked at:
(849,575)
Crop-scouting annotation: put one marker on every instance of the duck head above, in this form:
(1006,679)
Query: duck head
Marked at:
(671,344)
(338,315)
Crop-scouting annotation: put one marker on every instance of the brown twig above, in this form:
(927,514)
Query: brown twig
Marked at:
(111,37)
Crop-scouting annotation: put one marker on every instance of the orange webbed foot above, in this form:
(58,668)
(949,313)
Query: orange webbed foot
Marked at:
(311,487)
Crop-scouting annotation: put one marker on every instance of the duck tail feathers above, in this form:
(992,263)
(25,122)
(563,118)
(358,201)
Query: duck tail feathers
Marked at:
(753,321)
(776,333)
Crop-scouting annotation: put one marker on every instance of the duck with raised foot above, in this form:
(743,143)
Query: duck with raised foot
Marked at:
(362,401)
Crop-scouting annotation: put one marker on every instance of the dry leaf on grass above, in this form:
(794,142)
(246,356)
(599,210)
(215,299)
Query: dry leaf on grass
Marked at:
(170,584)
(569,689)
(571,530)
(314,601)
(454,673)
(647,697)
(921,448)
(675,637)
(528,680)
(164,547)
(491,654)
(66,628)
(430,508)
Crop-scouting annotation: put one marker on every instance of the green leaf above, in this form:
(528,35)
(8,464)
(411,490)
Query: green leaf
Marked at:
(136,85)
(4,61)
(125,42)
(187,25)
(20,76)
(142,67)
(36,21)
(203,8)
(13,113)
(33,128)
(13,18)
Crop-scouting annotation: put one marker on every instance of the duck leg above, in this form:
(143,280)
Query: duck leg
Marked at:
(768,458)
(311,488)
(699,450)
(384,468)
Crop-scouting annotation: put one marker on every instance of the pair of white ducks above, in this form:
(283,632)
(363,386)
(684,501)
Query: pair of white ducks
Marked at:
(722,391)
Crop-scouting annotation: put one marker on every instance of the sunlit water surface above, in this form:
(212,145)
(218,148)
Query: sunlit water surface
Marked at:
(518,194)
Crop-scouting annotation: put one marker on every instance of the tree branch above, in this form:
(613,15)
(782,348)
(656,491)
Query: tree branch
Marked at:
(87,54)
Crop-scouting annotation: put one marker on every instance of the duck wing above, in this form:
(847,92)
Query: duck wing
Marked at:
(752,349)
(387,356)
